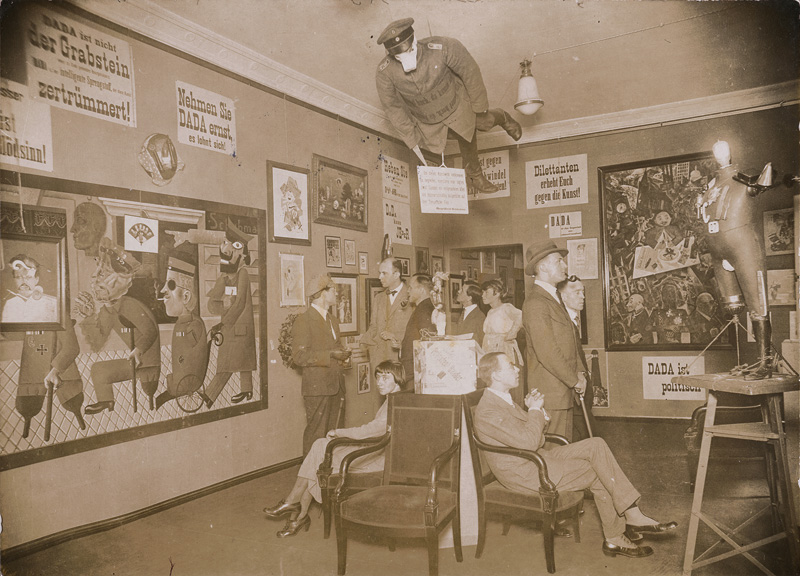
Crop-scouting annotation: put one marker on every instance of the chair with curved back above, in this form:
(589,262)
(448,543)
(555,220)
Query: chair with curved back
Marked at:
(419,492)
(547,507)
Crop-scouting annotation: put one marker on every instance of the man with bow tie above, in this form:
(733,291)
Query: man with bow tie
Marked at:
(318,349)
(553,350)
(389,315)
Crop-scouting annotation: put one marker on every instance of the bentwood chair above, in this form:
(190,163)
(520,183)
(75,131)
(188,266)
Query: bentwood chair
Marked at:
(547,507)
(419,492)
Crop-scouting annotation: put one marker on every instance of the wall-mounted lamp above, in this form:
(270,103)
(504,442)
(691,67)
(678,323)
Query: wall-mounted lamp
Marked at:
(528,99)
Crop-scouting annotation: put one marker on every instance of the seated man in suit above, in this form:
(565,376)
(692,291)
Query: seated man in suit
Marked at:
(471,320)
(585,464)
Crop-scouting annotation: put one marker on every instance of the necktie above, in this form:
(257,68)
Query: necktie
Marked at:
(392,292)
(330,325)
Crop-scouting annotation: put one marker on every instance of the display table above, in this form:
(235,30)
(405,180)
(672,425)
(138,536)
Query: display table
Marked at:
(770,431)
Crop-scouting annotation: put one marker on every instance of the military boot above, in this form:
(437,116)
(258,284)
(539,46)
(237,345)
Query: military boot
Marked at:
(763,335)
(476,181)
(497,117)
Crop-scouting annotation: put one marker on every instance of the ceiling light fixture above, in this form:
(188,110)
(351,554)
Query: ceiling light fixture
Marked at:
(528,99)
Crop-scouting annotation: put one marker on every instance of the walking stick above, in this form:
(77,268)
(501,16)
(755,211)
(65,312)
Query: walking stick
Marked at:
(585,415)
(129,326)
(48,415)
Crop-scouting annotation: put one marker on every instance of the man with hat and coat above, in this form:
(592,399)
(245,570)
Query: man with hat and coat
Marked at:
(318,349)
(554,354)
(433,88)
(232,300)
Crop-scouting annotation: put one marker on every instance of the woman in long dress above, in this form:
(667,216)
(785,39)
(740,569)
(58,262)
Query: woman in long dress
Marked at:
(503,322)
(390,377)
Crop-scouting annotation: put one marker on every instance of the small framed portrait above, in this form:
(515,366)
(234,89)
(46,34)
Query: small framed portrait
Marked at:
(422,260)
(292,280)
(372,287)
(333,252)
(287,187)
(339,194)
(363,378)
(350,252)
(437,264)
(779,232)
(781,287)
(487,262)
(456,282)
(363,263)
(346,309)
(502,271)
(405,263)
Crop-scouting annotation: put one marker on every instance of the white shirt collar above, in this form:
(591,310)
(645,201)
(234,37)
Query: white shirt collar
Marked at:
(505,396)
(573,314)
(321,311)
(469,309)
(393,296)
(549,288)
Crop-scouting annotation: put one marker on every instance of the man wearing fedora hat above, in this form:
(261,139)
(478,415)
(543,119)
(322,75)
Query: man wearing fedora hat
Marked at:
(318,349)
(433,88)
(554,365)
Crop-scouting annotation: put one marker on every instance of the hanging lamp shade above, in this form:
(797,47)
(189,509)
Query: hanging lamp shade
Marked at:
(528,99)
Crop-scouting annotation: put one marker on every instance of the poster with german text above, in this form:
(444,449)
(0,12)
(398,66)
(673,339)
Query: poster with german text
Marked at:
(205,119)
(658,372)
(559,181)
(26,136)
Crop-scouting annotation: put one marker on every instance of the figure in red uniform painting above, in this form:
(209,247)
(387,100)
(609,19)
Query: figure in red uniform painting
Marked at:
(433,88)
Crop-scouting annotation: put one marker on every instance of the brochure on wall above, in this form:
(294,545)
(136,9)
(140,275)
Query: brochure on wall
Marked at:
(396,207)
(565,224)
(205,119)
(582,258)
(557,181)
(395,178)
(397,221)
(495,168)
(442,190)
(74,66)
(658,371)
(26,137)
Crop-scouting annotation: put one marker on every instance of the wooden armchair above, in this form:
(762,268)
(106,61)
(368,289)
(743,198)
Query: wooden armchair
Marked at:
(546,508)
(419,492)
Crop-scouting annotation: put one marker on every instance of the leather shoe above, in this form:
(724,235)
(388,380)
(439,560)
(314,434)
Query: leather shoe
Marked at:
(236,398)
(635,552)
(655,528)
(206,400)
(511,126)
(633,535)
(294,526)
(281,509)
(481,184)
(98,407)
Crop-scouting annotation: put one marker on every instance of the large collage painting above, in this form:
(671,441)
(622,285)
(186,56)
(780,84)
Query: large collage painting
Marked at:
(124,314)
(660,291)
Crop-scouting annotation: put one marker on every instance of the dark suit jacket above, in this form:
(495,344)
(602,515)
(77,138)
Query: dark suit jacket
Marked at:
(553,360)
(472,324)
(312,343)
(386,316)
(420,319)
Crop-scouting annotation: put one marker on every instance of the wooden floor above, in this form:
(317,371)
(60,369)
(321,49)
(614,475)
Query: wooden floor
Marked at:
(226,533)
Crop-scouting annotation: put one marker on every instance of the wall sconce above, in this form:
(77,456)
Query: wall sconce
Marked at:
(528,99)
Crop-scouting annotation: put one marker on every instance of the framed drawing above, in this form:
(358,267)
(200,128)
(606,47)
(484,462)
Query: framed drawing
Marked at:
(422,260)
(405,263)
(779,232)
(781,287)
(333,252)
(339,194)
(346,303)
(350,252)
(487,262)
(456,282)
(372,286)
(287,187)
(363,263)
(469,255)
(437,264)
(660,291)
(292,280)
(363,377)
(503,273)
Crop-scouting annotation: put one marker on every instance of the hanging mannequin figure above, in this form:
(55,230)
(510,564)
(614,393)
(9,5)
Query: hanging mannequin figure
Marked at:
(433,88)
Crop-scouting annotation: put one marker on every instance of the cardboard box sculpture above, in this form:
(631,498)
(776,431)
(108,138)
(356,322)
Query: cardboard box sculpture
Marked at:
(446,366)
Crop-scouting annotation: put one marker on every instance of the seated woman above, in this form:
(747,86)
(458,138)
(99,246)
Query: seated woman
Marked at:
(391,378)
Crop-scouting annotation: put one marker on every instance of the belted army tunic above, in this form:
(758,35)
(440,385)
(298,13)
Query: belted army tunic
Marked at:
(444,92)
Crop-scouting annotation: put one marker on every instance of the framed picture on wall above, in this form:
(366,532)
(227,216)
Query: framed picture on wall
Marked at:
(340,194)
(456,282)
(405,264)
(503,273)
(437,264)
(350,252)
(363,377)
(422,260)
(660,292)
(292,280)
(346,310)
(372,286)
(779,232)
(287,187)
(363,262)
(781,287)
(487,262)
(333,252)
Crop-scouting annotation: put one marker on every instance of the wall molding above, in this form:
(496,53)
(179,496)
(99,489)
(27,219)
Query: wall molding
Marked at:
(150,20)
(16,552)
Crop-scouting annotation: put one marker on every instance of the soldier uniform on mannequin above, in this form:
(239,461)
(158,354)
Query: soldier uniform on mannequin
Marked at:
(734,230)
(433,88)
